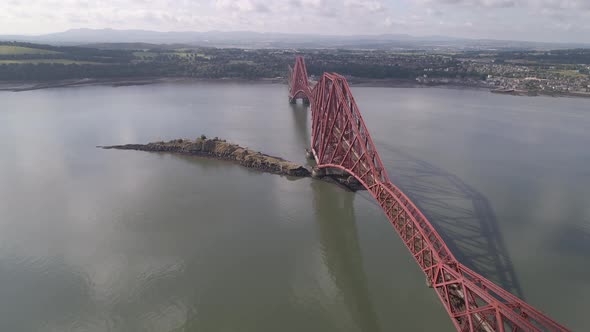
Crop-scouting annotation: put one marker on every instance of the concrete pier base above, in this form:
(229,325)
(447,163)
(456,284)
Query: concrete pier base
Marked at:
(318,173)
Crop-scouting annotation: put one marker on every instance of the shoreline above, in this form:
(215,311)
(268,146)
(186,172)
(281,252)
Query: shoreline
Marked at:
(219,149)
(22,86)
(222,150)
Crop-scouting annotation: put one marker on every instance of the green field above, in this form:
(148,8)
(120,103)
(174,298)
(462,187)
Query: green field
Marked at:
(187,54)
(145,54)
(183,55)
(60,61)
(202,55)
(571,73)
(241,62)
(15,50)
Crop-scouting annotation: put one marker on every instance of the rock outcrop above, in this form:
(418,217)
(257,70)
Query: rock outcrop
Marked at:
(220,149)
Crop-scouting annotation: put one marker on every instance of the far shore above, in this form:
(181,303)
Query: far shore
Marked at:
(20,86)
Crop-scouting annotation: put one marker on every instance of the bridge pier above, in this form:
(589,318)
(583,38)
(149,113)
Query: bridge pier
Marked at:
(293,100)
(318,173)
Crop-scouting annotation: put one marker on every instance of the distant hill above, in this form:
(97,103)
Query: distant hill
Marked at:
(135,46)
(248,39)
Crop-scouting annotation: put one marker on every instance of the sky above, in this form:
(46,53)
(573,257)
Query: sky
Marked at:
(534,20)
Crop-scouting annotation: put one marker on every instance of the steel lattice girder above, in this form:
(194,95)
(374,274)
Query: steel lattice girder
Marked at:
(298,81)
(341,140)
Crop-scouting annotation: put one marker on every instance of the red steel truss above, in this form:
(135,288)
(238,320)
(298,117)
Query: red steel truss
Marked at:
(341,140)
(298,83)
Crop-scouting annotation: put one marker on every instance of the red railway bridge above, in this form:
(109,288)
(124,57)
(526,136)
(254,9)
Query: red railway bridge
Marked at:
(341,140)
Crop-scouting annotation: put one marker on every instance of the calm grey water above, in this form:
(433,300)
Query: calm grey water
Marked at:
(101,240)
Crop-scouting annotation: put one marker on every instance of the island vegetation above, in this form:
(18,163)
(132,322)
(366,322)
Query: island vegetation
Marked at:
(220,149)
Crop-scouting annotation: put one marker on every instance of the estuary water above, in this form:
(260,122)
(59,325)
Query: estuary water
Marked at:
(106,240)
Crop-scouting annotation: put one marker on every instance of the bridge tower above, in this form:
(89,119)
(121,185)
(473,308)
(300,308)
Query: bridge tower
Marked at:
(298,82)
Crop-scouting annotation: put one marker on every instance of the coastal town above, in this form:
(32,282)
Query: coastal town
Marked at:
(517,78)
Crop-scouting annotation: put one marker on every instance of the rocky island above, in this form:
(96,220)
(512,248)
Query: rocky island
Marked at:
(220,149)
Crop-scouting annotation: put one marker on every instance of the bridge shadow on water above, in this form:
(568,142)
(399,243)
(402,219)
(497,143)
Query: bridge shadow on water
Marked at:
(462,215)
(342,253)
(302,129)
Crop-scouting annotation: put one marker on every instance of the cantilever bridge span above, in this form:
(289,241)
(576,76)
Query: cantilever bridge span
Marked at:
(340,139)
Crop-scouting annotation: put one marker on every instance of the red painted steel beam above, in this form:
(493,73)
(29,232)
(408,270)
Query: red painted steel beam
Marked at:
(298,81)
(340,139)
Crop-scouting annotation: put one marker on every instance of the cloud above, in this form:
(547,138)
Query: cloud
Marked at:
(242,5)
(564,4)
(552,4)
(317,14)
(371,6)
(480,3)
(500,19)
